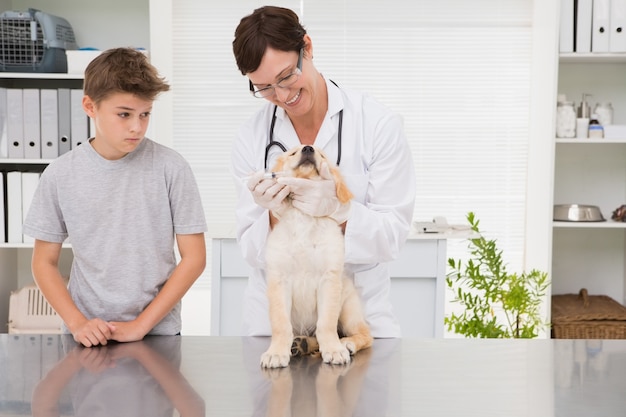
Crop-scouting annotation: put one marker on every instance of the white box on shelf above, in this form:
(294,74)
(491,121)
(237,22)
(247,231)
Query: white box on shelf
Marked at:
(615,132)
(77,60)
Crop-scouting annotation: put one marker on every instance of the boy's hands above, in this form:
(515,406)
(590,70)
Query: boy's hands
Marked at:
(128,331)
(93,332)
(98,332)
(94,360)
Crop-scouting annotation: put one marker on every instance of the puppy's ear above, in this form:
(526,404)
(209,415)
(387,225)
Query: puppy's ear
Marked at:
(343,193)
(280,163)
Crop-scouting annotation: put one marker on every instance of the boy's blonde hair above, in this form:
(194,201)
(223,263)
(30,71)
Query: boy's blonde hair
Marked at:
(122,70)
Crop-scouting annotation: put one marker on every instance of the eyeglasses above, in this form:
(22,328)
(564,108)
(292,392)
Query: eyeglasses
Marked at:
(284,82)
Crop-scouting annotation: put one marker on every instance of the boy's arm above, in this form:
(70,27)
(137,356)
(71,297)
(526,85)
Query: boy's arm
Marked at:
(192,249)
(45,266)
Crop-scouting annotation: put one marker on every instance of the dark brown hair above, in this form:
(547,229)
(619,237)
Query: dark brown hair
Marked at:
(268,26)
(122,70)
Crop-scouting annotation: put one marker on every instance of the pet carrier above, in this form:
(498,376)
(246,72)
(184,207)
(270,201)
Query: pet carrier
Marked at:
(29,312)
(34,41)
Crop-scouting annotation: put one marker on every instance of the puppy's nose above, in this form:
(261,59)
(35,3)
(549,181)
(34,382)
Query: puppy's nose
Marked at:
(308,149)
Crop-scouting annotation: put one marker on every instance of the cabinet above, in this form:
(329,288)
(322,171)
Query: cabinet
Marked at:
(591,171)
(91,22)
(417,286)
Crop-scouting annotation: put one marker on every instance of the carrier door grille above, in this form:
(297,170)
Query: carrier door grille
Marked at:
(21,41)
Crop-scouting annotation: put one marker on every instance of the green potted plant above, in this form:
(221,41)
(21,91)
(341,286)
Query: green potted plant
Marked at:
(496,304)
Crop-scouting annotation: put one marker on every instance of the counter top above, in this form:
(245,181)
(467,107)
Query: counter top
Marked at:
(220,376)
(227,231)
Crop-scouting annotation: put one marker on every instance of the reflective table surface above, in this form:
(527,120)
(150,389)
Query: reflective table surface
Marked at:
(49,375)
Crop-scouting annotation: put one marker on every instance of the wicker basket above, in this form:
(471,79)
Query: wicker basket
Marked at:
(584,316)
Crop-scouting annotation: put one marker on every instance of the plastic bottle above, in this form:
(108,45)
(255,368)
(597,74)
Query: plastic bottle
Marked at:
(565,118)
(595,128)
(604,111)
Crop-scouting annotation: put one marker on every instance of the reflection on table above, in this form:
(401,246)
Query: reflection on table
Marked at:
(309,387)
(44,375)
(119,379)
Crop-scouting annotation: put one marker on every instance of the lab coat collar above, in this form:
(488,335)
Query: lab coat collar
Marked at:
(329,130)
(335,99)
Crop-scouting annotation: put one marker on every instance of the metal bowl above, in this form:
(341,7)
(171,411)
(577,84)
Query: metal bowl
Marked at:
(577,213)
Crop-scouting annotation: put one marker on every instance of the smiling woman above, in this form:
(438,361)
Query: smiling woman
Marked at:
(285,82)
(377,220)
(462,75)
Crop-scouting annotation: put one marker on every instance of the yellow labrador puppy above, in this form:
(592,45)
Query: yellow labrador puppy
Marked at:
(309,295)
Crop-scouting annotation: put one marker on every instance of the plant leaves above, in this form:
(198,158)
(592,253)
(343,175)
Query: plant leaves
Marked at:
(483,288)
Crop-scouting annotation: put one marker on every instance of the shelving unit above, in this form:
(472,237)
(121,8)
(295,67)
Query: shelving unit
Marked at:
(91,23)
(591,171)
(15,257)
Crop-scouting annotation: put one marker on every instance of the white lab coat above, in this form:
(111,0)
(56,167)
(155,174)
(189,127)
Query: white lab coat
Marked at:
(377,165)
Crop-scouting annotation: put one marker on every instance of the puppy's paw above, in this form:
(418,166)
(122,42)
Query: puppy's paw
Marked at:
(339,356)
(272,359)
(276,374)
(350,345)
(304,345)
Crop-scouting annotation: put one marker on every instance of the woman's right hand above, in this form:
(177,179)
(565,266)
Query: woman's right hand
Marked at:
(268,194)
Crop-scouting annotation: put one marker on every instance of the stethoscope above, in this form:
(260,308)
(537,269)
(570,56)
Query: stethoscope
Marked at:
(271,142)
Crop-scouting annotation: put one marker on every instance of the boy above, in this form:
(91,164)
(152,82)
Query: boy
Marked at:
(122,200)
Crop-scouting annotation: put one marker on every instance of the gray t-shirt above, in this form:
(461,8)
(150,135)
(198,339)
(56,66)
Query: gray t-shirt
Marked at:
(121,218)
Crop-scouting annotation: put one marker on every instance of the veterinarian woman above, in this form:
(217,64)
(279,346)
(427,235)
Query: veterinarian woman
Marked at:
(366,139)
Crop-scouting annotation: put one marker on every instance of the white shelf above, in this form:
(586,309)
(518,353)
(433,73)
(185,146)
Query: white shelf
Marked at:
(589,58)
(25,245)
(41,75)
(25,161)
(590,141)
(609,224)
